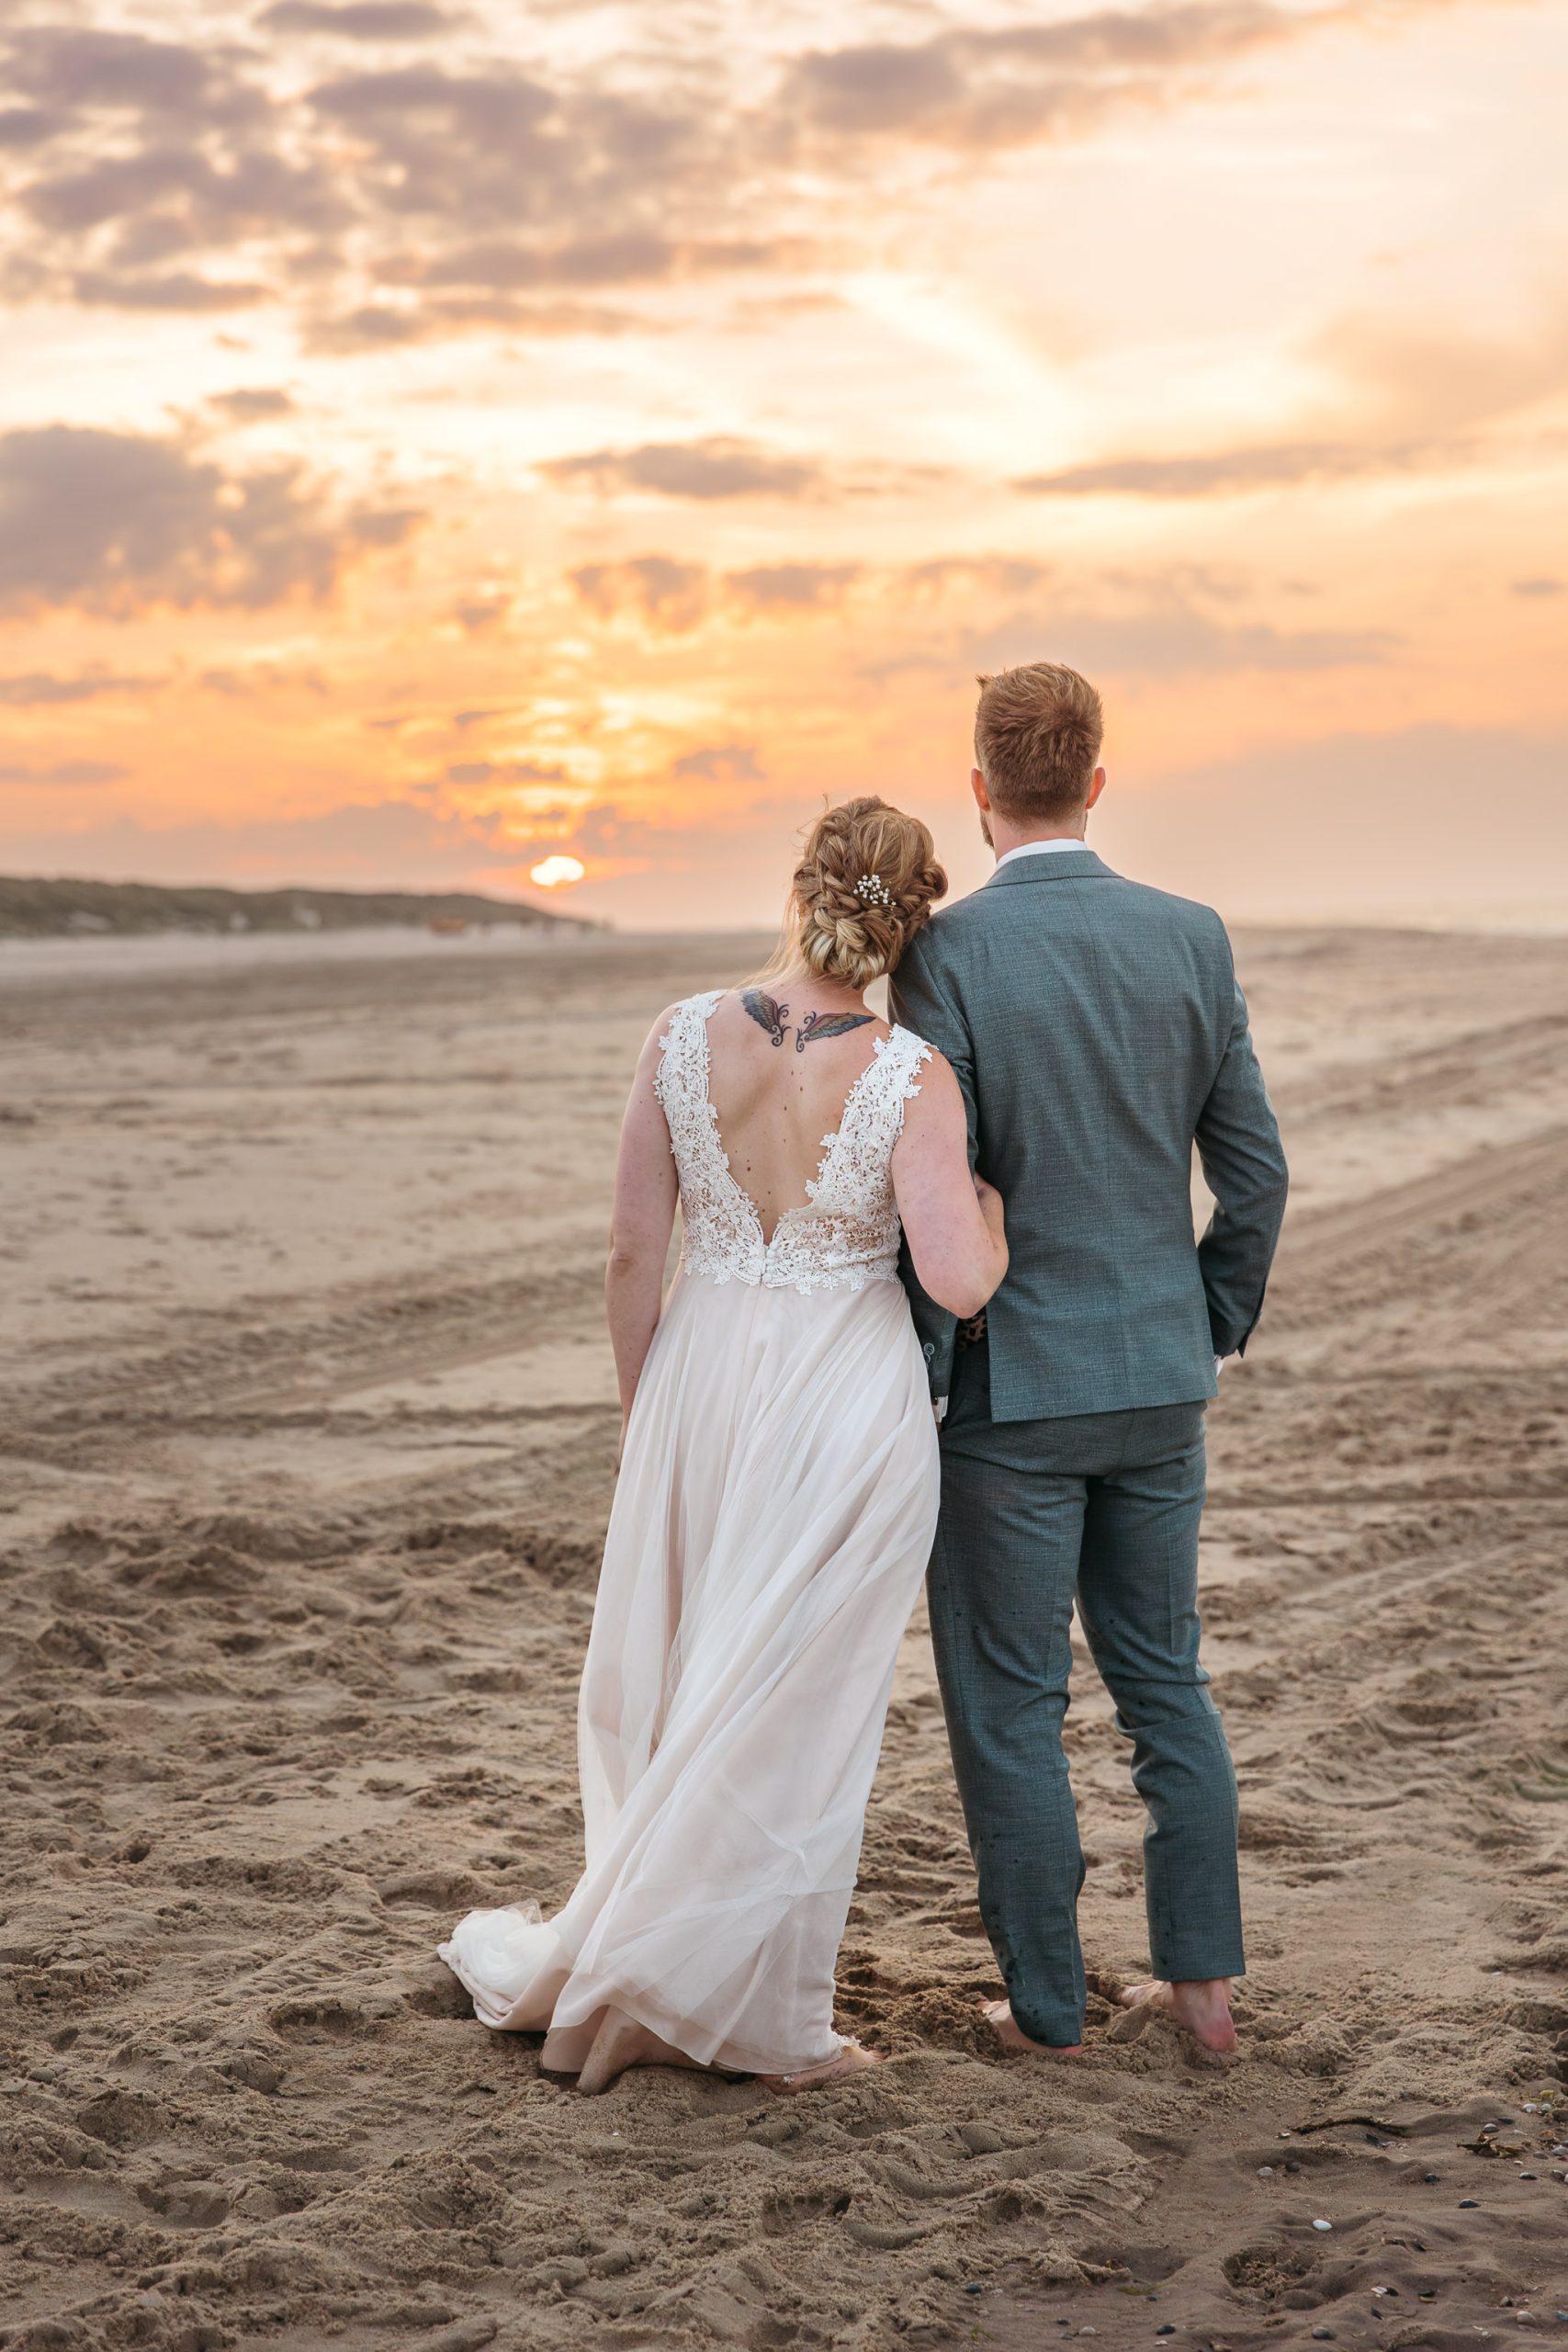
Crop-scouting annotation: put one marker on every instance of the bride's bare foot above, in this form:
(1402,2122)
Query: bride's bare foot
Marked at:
(1202,2007)
(999,2016)
(621,2043)
(851,2060)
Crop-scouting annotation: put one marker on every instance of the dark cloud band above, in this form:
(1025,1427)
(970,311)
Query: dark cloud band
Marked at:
(120,522)
(422,172)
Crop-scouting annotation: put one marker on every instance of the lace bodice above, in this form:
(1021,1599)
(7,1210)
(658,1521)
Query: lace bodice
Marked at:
(845,1234)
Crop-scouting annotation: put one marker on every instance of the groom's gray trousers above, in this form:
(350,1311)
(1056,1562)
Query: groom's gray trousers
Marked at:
(1103,1507)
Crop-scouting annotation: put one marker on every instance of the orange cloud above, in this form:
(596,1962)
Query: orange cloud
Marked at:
(121,522)
(799,376)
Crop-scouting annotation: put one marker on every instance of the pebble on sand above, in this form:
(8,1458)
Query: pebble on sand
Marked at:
(1323,2225)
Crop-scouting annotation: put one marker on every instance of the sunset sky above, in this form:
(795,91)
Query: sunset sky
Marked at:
(434,436)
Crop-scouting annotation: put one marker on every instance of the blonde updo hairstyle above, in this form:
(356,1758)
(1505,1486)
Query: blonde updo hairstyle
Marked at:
(836,921)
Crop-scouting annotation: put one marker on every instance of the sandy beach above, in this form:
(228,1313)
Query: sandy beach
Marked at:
(306,1456)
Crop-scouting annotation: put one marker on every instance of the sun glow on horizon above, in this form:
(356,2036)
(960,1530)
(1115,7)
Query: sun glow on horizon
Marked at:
(557,872)
(414,466)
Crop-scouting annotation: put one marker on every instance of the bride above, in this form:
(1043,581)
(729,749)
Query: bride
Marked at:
(776,1500)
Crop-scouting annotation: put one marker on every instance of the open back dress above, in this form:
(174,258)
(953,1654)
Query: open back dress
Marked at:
(771,1524)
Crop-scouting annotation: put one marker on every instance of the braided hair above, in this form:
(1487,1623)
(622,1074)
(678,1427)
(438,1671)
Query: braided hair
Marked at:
(865,884)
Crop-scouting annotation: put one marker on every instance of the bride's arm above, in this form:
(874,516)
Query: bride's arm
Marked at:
(644,1214)
(952,1221)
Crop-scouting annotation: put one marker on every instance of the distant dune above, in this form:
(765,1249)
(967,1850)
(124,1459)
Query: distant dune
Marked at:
(31,908)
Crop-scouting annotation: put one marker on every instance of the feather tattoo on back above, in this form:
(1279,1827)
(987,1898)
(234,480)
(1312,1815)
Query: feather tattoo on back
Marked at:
(767,1013)
(827,1024)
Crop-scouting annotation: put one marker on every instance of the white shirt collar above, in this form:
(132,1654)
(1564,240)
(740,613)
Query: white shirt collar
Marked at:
(1037,849)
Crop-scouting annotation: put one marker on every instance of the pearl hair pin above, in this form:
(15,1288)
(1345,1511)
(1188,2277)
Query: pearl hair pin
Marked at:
(873,891)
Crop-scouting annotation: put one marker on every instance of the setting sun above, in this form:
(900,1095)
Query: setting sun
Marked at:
(555,873)
(439,434)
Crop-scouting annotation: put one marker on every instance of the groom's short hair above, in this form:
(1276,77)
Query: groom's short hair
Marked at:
(1037,737)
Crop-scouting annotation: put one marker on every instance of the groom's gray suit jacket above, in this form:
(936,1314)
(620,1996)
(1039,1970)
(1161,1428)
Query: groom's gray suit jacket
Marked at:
(1098,1032)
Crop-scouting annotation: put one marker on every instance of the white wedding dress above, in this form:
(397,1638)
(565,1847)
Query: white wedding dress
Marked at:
(772,1523)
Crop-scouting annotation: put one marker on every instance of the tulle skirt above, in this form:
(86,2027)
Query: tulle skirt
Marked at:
(771,1524)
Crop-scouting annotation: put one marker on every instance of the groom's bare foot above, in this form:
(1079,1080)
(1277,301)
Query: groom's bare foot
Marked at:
(1202,2007)
(621,2043)
(999,2016)
(850,2060)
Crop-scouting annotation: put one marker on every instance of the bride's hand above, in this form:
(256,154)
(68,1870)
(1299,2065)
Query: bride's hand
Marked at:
(991,1208)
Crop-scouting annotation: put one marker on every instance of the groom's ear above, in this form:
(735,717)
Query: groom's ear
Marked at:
(977,786)
(1096,788)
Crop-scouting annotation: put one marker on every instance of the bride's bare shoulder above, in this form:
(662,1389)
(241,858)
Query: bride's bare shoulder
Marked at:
(926,1056)
(655,1045)
(935,1092)
(707,1001)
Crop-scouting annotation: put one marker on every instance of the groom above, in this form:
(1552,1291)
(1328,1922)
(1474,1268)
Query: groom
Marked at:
(1098,1032)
